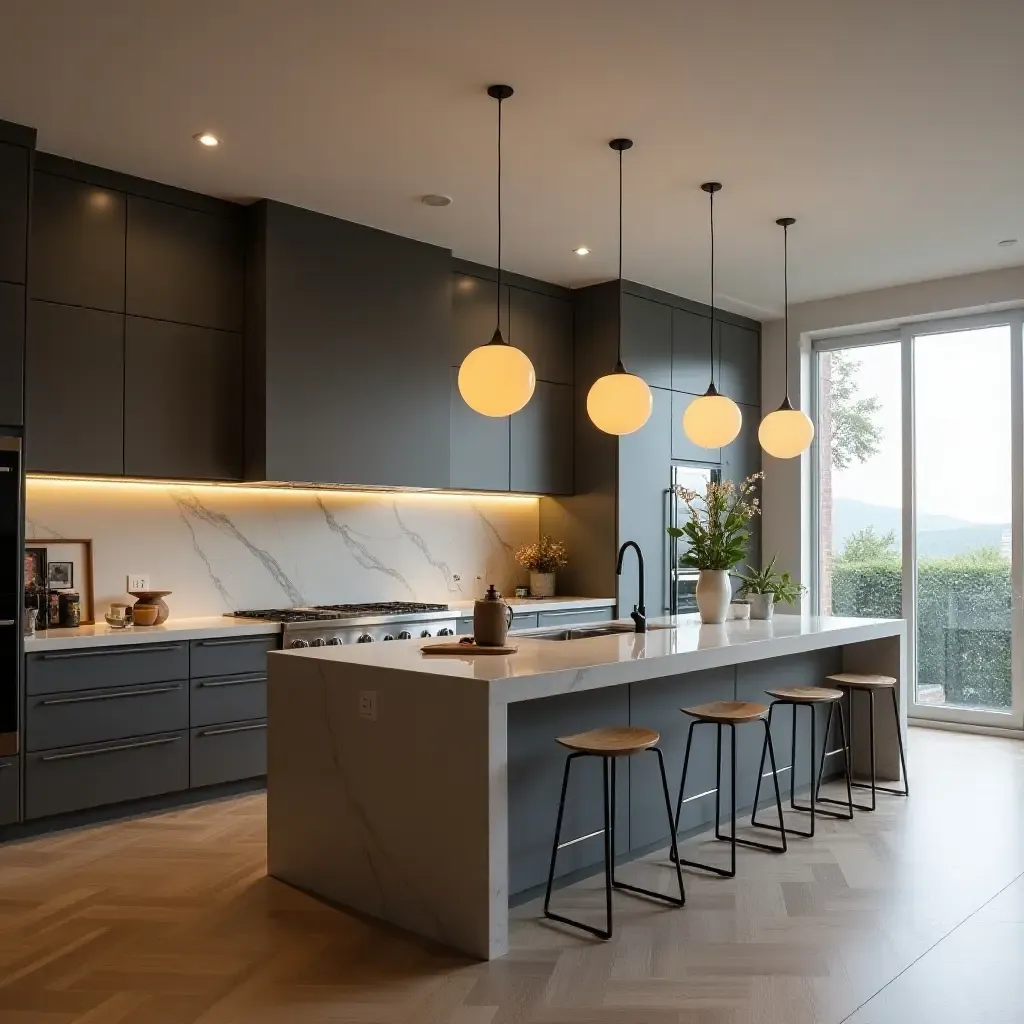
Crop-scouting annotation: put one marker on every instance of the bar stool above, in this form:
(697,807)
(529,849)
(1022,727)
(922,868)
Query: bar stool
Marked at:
(808,697)
(730,713)
(609,744)
(854,681)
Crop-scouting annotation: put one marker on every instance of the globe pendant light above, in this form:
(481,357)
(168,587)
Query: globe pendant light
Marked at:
(713,420)
(619,402)
(497,379)
(787,432)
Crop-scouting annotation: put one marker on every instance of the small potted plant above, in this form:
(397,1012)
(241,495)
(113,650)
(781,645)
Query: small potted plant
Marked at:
(765,588)
(718,532)
(543,560)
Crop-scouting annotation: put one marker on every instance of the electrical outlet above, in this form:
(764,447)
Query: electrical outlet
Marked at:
(137,581)
(368,705)
(456,577)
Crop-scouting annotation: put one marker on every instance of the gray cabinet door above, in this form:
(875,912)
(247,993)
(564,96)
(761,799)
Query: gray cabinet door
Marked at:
(12,354)
(691,352)
(739,460)
(224,753)
(645,467)
(183,401)
(77,251)
(74,390)
(541,325)
(575,617)
(219,699)
(474,314)
(542,442)
(14,162)
(230,655)
(682,446)
(89,668)
(647,340)
(10,787)
(740,364)
(479,446)
(184,265)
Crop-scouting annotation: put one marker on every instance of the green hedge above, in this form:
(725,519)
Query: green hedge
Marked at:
(963,619)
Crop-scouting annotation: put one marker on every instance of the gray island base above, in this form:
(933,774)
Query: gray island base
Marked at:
(422,790)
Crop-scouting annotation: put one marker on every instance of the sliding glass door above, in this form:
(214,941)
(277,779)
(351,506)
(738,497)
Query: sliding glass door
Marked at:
(919,503)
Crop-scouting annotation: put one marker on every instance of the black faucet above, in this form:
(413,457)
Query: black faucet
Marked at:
(639,612)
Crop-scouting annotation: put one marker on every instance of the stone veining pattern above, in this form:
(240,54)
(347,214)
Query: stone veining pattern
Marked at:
(219,549)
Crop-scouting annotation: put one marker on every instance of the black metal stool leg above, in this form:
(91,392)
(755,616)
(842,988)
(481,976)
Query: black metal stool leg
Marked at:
(781,827)
(816,783)
(609,837)
(903,756)
(674,854)
(874,787)
(792,785)
(760,768)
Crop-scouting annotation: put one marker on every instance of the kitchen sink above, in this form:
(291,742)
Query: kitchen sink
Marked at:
(580,632)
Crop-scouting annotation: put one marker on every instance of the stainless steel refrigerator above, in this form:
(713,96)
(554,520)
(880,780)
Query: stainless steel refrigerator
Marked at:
(682,583)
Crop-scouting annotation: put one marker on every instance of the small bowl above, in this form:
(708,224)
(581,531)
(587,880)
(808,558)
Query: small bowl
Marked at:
(739,610)
(145,614)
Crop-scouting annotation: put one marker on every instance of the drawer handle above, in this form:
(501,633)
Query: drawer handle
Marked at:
(233,681)
(5,764)
(109,696)
(233,728)
(8,622)
(576,611)
(235,640)
(105,651)
(110,750)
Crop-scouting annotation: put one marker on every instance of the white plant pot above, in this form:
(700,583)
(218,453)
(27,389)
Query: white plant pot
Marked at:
(714,592)
(542,584)
(762,606)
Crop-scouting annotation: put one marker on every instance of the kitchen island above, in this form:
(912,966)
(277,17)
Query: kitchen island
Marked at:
(422,789)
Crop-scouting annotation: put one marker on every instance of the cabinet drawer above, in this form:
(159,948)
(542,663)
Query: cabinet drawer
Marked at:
(223,753)
(577,616)
(231,655)
(218,699)
(105,773)
(522,620)
(95,667)
(9,791)
(91,716)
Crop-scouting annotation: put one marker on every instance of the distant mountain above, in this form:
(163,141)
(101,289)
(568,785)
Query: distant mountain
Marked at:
(938,535)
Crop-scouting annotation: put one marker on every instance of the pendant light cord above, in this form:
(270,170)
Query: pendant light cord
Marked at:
(785,299)
(618,354)
(711,209)
(500,101)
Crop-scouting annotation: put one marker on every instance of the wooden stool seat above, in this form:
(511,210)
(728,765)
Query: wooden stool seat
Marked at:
(727,712)
(855,681)
(611,741)
(805,694)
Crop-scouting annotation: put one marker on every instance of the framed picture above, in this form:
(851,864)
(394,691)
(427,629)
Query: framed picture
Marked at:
(60,575)
(35,567)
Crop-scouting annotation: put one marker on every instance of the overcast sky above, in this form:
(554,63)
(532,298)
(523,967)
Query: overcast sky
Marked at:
(962,398)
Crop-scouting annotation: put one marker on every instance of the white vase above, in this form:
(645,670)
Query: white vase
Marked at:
(542,584)
(714,592)
(762,606)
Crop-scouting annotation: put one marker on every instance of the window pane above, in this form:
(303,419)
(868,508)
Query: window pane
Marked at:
(860,482)
(963,487)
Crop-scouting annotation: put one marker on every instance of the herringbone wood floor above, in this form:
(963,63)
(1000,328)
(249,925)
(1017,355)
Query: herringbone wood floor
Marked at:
(913,914)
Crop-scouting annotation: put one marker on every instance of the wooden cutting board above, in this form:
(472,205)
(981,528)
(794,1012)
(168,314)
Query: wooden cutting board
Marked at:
(456,648)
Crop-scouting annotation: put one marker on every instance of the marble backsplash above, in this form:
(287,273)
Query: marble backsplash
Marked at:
(220,549)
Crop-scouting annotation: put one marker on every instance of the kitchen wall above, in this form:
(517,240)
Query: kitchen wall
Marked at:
(221,548)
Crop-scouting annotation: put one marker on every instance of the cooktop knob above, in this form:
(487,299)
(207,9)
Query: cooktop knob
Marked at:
(387,636)
(300,643)
(405,635)
(445,631)
(426,632)
(319,642)
(365,638)
(335,641)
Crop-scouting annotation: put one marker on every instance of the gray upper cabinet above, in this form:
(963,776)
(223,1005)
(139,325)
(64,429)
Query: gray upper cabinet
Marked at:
(647,340)
(474,314)
(12,353)
(14,172)
(183,401)
(682,446)
(77,251)
(74,390)
(740,364)
(479,446)
(542,442)
(541,325)
(184,265)
(347,356)
(691,352)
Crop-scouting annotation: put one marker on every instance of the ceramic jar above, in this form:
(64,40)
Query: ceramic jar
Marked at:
(714,593)
(542,584)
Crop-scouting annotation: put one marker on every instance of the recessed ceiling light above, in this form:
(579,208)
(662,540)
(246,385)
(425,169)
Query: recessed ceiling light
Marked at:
(582,250)
(207,139)
(1007,242)
(436,200)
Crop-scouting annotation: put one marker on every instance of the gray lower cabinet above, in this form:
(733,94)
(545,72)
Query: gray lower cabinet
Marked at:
(231,655)
(12,354)
(74,390)
(479,446)
(541,445)
(10,787)
(226,753)
(93,775)
(575,616)
(218,699)
(183,401)
(88,668)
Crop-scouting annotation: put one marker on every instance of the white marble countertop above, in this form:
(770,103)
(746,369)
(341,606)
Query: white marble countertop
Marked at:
(545,667)
(101,635)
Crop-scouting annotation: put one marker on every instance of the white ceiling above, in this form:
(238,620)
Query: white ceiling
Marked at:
(889,128)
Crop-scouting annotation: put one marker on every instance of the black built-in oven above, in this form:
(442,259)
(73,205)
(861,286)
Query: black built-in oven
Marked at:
(11,591)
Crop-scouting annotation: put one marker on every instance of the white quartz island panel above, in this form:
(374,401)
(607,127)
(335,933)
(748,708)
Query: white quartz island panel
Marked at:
(388,769)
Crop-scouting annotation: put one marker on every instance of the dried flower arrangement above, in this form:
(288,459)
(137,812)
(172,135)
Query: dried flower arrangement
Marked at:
(546,555)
